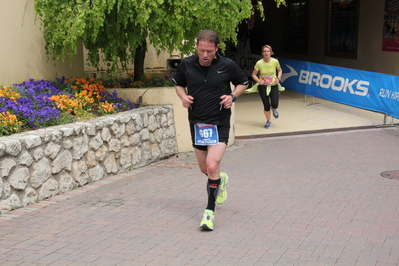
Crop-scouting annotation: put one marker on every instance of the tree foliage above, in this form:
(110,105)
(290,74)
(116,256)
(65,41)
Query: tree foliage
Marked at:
(112,30)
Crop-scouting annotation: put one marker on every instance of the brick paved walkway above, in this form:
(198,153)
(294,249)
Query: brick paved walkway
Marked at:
(314,199)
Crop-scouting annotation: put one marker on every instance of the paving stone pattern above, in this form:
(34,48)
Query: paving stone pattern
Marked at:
(314,199)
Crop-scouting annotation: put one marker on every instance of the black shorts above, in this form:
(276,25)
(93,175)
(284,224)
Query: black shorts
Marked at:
(223,132)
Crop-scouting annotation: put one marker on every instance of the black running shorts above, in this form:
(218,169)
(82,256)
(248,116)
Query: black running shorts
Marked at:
(223,132)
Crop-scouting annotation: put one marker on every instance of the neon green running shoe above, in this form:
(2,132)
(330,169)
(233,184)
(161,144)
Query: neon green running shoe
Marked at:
(222,194)
(207,220)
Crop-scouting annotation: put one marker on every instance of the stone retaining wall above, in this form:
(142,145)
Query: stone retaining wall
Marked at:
(43,163)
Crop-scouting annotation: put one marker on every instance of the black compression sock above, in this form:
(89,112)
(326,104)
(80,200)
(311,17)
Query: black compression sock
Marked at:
(212,188)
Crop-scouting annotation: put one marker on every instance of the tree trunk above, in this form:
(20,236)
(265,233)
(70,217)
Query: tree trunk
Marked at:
(139,61)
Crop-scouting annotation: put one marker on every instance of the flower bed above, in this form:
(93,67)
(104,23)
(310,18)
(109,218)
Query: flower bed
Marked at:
(60,155)
(37,104)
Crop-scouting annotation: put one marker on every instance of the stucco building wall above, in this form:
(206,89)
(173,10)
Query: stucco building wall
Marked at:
(22,53)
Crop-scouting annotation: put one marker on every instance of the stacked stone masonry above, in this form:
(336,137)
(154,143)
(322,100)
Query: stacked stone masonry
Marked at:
(43,163)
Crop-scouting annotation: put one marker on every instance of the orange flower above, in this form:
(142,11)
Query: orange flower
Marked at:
(10,123)
(10,94)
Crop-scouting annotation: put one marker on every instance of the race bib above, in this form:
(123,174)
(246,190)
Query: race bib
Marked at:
(268,80)
(206,134)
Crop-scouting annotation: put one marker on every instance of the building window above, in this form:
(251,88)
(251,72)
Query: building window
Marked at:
(296,28)
(342,28)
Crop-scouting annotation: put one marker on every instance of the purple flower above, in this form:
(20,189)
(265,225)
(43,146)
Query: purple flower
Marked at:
(120,103)
(34,108)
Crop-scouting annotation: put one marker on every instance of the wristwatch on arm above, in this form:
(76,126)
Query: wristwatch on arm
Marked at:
(234,97)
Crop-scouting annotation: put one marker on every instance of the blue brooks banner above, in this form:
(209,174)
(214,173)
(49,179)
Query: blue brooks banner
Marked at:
(367,90)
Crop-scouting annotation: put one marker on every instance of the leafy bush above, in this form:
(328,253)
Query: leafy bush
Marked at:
(42,103)
(149,81)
